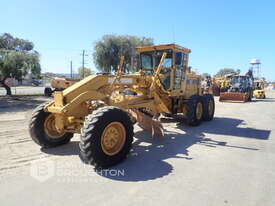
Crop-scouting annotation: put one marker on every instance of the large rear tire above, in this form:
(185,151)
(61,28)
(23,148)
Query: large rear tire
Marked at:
(42,130)
(194,110)
(106,137)
(208,107)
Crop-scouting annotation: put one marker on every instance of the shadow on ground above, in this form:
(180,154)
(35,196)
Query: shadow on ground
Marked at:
(230,127)
(71,148)
(146,161)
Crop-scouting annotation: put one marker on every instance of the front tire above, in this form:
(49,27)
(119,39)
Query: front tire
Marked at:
(42,130)
(106,137)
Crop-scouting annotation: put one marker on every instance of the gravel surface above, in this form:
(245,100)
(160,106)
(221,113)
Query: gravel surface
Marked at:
(24,90)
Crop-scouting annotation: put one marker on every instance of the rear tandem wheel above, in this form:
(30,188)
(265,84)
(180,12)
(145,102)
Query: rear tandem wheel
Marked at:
(200,108)
(194,110)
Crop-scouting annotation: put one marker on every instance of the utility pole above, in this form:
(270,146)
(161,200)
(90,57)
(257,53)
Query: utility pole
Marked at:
(83,63)
(71,69)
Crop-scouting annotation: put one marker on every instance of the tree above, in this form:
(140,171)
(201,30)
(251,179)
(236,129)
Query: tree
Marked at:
(109,49)
(82,73)
(17,58)
(8,42)
(225,71)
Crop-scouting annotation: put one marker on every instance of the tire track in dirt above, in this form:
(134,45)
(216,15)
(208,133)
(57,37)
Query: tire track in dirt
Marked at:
(16,146)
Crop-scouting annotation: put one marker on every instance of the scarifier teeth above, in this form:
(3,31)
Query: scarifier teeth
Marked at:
(148,123)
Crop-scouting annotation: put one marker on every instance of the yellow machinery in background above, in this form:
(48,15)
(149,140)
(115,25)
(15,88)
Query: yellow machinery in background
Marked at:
(225,82)
(220,84)
(216,84)
(207,85)
(259,92)
(103,108)
(58,84)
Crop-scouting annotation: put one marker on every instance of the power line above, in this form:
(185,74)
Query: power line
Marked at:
(71,69)
(83,63)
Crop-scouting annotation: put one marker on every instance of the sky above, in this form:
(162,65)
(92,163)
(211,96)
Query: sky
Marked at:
(220,33)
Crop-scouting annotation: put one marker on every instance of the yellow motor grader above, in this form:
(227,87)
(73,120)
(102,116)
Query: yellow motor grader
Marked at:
(104,107)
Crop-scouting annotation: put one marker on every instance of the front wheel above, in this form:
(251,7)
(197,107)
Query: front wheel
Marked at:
(42,129)
(106,137)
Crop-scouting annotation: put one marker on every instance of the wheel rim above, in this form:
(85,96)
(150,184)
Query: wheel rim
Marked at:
(199,111)
(211,107)
(49,128)
(113,138)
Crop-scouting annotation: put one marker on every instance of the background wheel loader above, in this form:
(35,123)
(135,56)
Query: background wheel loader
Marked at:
(240,89)
(103,108)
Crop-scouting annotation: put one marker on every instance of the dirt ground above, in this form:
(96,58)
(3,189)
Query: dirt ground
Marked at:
(228,161)
(16,147)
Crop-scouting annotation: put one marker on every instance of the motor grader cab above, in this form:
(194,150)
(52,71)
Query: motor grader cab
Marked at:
(103,108)
(240,89)
(258,91)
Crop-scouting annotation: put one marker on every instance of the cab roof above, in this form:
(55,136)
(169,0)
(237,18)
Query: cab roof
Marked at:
(163,47)
(240,75)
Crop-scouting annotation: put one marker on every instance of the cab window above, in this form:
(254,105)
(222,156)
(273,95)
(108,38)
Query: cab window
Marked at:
(178,58)
(179,69)
(146,61)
